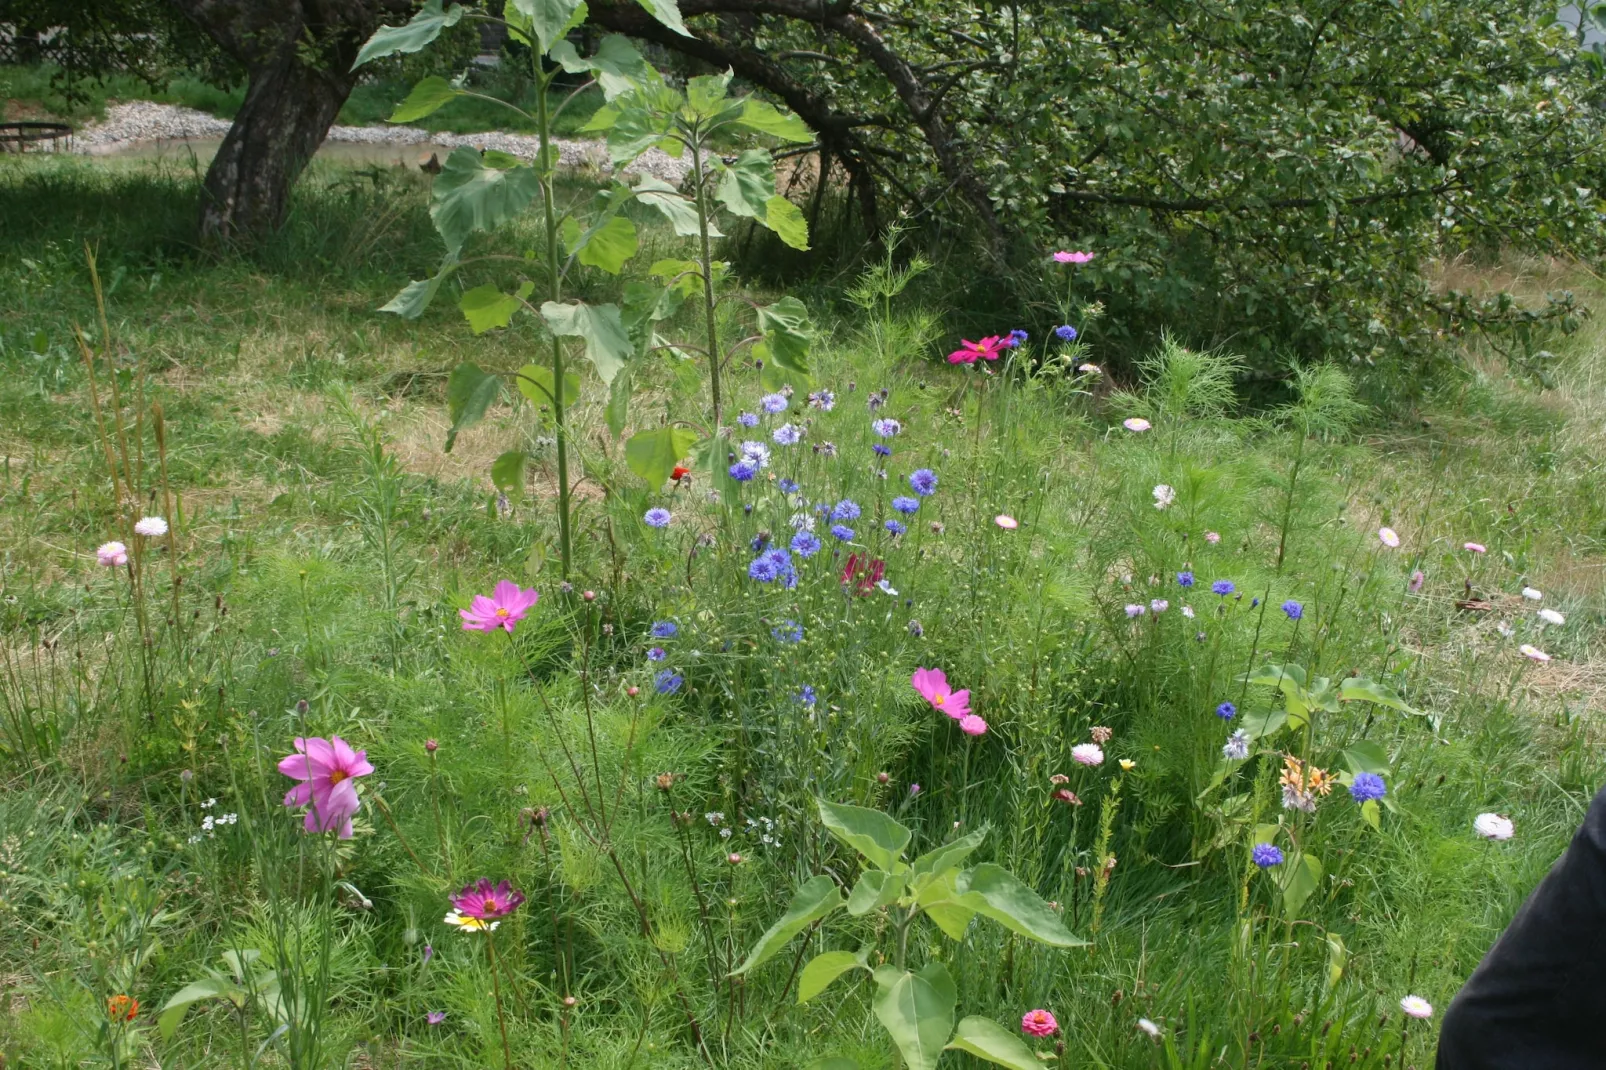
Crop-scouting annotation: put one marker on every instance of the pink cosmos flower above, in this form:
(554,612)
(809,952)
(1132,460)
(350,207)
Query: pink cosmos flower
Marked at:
(327,769)
(112,554)
(972,725)
(932,684)
(505,608)
(1212,537)
(1039,1023)
(987,349)
(1475,547)
(1533,653)
(1063,257)
(1005,521)
(1136,423)
(1388,537)
(478,906)
(435,1017)
(1088,754)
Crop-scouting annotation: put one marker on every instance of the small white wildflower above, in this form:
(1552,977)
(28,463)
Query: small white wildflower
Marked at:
(1164,495)
(1532,595)
(1149,1028)
(152,527)
(1416,1007)
(1550,616)
(1494,827)
(1505,629)
(886,588)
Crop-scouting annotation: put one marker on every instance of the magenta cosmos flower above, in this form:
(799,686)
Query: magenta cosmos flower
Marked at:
(987,349)
(505,608)
(1039,1023)
(328,770)
(933,687)
(1063,257)
(478,906)
(972,725)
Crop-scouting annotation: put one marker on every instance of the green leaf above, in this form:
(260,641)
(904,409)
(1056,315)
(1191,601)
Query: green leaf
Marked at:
(996,893)
(607,344)
(710,456)
(816,898)
(1360,689)
(1263,724)
(824,968)
(986,1039)
(634,132)
(681,213)
(942,903)
(870,832)
(1280,676)
(469,392)
(604,118)
(786,220)
(609,245)
(1371,813)
(618,410)
(535,382)
(652,455)
(874,889)
(668,13)
(617,66)
(1337,957)
(419,31)
(507,472)
(1366,756)
(548,20)
(427,97)
(940,860)
(469,195)
(488,308)
(918,1010)
(706,93)
(788,333)
(746,186)
(207,988)
(766,118)
(1302,880)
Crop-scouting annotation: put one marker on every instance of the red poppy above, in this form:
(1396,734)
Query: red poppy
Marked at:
(122,1008)
(680,472)
(862,573)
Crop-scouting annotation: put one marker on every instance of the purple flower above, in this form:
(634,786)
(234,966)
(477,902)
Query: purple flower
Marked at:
(1016,337)
(897,527)
(914,789)
(788,631)
(429,953)
(906,505)
(823,400)
(748,419)
(808,696)
(1226,711)
(1293,609)
(435,1017)
(923,481)
(772,403)
(657,517)
(886,427)
(1185,579)
(1267,855)
(842,531)
(846,509)
(657,653)
(788,486)
(1368,787)
(665,629)
(805,544)
(1222,587)
(787,435)
(881,451)
(668,682)
(743,471)
(1066,333)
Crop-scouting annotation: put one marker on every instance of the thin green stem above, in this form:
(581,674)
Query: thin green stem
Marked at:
(708,278)
(554,274)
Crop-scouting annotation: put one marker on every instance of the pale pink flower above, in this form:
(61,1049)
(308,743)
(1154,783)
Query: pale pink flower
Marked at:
(1090,369)
(1494,827)
(1212,537)
(1039,1023)
(1088,754)
(1136,423)
(1164,495)
(112,554)
(506,606)
(972,725)
(932,684)
(1416,1007)
(1005,521)
(1475,547)
(1388,537)
(1417,579)
(1063,257)
(1533,653)
(327,769)
(151,527)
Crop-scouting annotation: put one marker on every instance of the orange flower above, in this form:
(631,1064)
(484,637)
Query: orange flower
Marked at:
(122,1008)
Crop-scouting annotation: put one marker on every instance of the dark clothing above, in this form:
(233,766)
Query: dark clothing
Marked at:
(1537,1001)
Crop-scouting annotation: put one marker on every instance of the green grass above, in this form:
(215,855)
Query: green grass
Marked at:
(326,543)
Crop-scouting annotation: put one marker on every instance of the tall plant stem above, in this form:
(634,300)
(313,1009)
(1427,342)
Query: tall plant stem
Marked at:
(543,122)
(708,277)
(496,987)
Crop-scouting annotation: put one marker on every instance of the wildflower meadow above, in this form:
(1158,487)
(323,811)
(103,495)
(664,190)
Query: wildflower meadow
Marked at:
(514,631)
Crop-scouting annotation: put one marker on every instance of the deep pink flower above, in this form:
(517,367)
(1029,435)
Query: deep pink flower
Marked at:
(862,573)
(972,725)
(987,349)
(1063,257)
(328,771)
(478,906)
(1039,1023)
(505,608)
(933,687)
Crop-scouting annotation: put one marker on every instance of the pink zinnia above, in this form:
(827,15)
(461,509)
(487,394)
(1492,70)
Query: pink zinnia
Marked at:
(1039,1023)
(933,687)
(972,725)
(327,769)
(1136,423)
(505,608)
(1388,537)
(1087,754)
(1475,547)
(1005,521)
(1063,257)
(987,349)
(112,554)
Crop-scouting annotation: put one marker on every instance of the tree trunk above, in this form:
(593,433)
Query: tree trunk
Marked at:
(288,109)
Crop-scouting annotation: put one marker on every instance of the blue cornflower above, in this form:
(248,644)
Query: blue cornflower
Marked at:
(881,451)
(788,486)
(1226,711)
(895,526)
(1066,333)
(656,517)
(668,682)
(762,569)
(1185,579)
(842,531)
(808,696)
(906,505)
(665,629)
(805,544)
(1293,609)
(886,427)
(1253,602)
(1267,855)
(742,471)
(787,435)
(657,653)
(1368,787)
(924,482)
(823,400)
(748,419)
(1016,337)
(788,631)
(846,509)
(773,403)
(1222,587)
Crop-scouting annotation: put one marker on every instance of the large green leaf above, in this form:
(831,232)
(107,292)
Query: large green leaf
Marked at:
(196,991)
(617,66)
(986,1039)
(681,212)
(469,392)
(668,13)
(535,382)
(940,860)
(706,93)
(815,899)
(996,893)
(766,118)
(917,1009)
(427,96)
(419,31)
(824,968)
(747,184)
(1365,756)
(787,332)
(1262,724)
(652,455)
(874,889)
(1303,878)
(1360,689)
(413,298)
(469,195)
(870,832)
(711,460)
(607,344)
(507,472)
(547,20)
(786,220)
(488,308)
(609,245)
(618,410)
(636,130)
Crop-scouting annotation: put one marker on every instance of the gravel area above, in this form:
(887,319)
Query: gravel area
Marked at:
(128,124)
